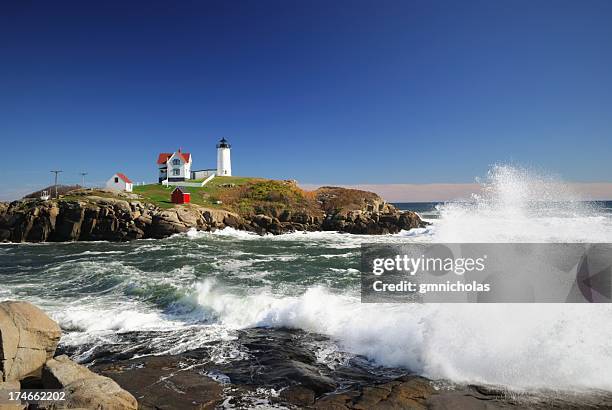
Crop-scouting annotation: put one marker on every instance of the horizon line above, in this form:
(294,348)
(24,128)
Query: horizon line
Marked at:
(441,192)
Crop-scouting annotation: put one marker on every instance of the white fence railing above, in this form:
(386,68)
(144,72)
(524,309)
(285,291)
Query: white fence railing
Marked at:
(208,179)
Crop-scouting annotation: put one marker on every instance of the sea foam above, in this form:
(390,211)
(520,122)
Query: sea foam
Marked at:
(528,346)
(518,346)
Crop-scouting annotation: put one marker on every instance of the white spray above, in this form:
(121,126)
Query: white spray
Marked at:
(520,346)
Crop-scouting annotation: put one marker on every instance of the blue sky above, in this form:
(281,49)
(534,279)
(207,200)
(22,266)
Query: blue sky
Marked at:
(342,92)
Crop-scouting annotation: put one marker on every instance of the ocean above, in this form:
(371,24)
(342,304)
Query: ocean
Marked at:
(198,289)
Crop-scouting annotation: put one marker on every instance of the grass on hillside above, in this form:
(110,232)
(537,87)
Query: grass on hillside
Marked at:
(207,195)
(269,197)
(244,195)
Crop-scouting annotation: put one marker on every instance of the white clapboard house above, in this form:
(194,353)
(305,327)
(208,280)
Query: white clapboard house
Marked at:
(119,182)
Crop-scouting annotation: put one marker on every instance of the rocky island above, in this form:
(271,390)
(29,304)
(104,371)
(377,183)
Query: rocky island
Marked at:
(249,204)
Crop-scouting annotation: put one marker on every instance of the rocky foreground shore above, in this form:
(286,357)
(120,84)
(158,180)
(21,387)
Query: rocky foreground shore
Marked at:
(279,372)
(28,341)
(86,215)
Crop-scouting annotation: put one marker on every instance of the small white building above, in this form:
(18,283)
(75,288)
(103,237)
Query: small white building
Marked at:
(174,167)
(203,173)
(119,182)
(224,163)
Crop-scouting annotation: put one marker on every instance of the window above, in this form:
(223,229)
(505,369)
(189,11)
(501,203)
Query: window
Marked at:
(176,161)
(176,172)
(116,180)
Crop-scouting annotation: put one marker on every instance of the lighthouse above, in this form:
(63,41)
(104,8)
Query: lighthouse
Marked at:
(224,164)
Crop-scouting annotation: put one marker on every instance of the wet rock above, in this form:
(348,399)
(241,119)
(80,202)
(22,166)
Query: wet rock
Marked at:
(166,382)
(283,360)
(298,395)
(277,360)
(407,392)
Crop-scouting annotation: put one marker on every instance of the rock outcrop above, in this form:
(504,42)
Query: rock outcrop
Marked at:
(361,212)
(89,217)
(160,382)
(28,340)
(84,388)
(406,392)
(97,218)
(282,371)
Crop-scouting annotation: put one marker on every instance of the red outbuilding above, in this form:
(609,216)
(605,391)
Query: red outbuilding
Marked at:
(180,196)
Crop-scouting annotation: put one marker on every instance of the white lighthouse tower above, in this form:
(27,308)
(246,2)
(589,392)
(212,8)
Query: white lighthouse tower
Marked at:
(224,163)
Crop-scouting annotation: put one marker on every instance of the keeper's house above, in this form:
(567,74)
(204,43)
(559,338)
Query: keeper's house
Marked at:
(174,166)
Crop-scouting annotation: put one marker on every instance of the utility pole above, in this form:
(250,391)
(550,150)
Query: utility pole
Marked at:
(56,172)
(82,174)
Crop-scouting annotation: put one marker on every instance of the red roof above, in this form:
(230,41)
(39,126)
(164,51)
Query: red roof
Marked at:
(124,178)
(164,156)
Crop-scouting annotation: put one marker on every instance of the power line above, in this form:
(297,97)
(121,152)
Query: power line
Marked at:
(82,174)
(56,172)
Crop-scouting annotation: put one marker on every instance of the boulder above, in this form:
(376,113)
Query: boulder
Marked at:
(188,216)
(166,223)
(85,389)
(232,220)
(28,337)
(214,217)
(409,220)
(263,220)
